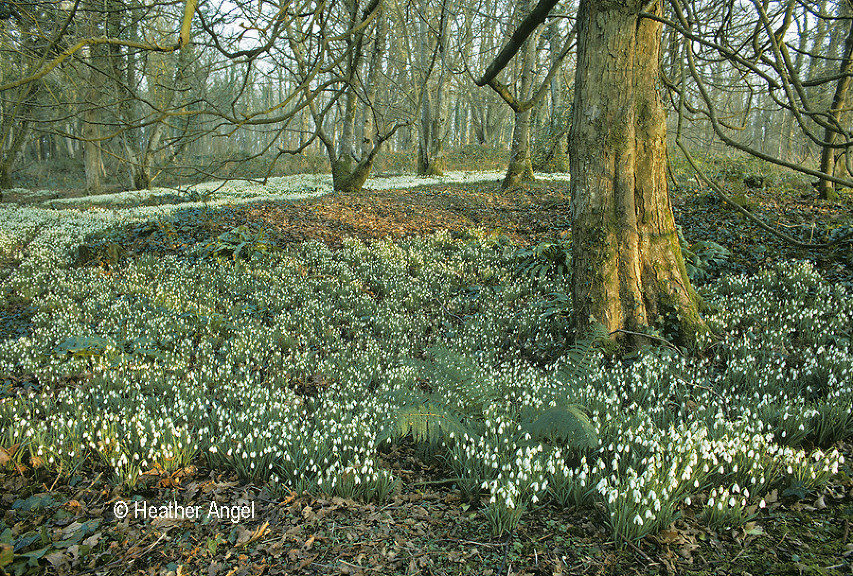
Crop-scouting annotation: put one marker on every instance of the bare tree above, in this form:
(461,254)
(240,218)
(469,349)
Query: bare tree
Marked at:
(433,40)
(520,167)
(28,38)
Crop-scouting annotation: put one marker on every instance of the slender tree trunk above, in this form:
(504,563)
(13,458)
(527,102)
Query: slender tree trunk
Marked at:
(628,270)
(552,152)
(826,188)
(520,170)
(94,161)
(431,158)
(16,131)
(142,170)
(379,42)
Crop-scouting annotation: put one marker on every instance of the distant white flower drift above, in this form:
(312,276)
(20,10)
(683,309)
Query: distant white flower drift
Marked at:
(281,188)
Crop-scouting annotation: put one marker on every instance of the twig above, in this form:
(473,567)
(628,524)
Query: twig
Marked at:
(506,554)
(58,474)
(81,492)
(437,482)
(637,550)
(125,559)
(750,216)
(711,390)
(479,543)
(352,565)
(443,307)
(650,337)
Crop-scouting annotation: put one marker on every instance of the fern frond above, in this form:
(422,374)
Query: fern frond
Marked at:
(427,422)
(581,358)
(459,381)
(564,425)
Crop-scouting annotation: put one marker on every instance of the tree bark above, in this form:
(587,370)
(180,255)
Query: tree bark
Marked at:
(520,169)
(826,188)
(15,130)
(628,270)
(94,94)
(373,79)
(551,154)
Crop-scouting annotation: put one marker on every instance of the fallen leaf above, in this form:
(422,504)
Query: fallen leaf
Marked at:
(253,536)
(92,540)
(243,536)
(56,559)
(669,536)
(7,453)
(6,554)
(307,561)
(752,529)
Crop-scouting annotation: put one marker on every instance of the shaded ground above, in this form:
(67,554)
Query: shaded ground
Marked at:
(802,215)
(427,528)
(528,215)
(525,215)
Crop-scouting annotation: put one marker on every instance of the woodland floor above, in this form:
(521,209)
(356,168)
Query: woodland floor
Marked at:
(534,214)
(428,528)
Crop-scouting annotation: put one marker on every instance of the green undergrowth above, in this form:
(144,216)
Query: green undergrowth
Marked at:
(300,368)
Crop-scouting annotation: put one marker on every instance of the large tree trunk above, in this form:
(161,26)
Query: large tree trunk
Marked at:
(628,271)
(350,176)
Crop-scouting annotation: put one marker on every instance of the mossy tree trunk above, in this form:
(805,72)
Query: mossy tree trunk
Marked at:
(826,188)
(5,176)
(16,130)
(142,176)
(349,172)
(349,176)
(520,169)
(628,270)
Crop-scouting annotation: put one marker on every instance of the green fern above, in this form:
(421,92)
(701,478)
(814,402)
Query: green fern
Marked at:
(583,356)
(456,393)
(460,381)
(563,425)
(546,258)
(460,393)
(427,422)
